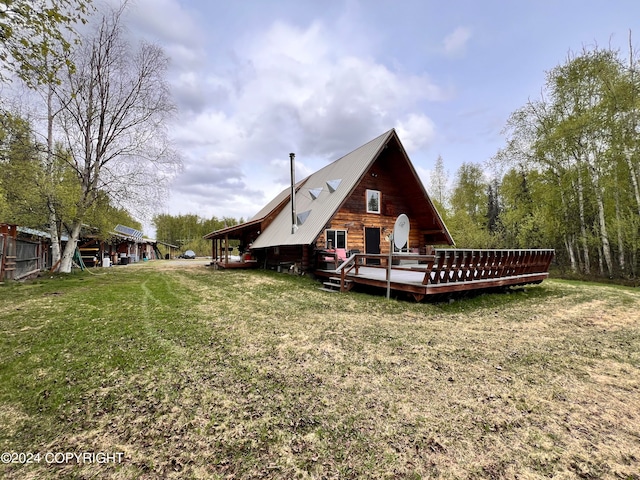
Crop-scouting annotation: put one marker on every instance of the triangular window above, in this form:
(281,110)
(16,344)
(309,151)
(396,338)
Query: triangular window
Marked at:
(302,217)
(333,185)
(315,193)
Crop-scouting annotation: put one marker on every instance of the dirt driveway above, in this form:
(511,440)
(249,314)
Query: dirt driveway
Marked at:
(178,263)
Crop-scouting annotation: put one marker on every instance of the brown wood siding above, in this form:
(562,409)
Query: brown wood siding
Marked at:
(286,255)
(400,193)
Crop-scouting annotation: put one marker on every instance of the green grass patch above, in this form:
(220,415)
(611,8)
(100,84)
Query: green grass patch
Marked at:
(196,373)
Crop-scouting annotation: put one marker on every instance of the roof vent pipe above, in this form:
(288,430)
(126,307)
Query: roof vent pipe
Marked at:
(294,223)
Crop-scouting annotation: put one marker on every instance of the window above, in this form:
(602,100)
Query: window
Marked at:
(336,238)
(302,217)
(373,201)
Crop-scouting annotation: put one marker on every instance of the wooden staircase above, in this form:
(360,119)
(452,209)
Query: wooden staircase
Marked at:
(333,285)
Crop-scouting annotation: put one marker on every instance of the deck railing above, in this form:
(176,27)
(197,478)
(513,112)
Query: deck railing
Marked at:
(453,265)
(449,266)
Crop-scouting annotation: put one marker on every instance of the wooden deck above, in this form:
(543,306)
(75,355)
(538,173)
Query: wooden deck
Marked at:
(444,271)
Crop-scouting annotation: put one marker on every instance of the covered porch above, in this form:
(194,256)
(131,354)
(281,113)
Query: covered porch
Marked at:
(221,249)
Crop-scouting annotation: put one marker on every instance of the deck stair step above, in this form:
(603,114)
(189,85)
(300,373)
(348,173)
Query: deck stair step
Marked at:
(330,290)
(333,284)
(336,280)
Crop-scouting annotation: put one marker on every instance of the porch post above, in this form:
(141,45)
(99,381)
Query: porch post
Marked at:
(226,249)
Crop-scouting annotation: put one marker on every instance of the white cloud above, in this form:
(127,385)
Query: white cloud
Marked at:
(456,41)
(416,132)
(167,20)
(327,103)
(285,88)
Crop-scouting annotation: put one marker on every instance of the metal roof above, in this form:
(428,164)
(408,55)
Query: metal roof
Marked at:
(334,182)
(281,197)
(128,231)
(40,233)
(233,229)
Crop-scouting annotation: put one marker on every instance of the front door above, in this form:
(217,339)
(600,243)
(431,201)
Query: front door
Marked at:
(372,244)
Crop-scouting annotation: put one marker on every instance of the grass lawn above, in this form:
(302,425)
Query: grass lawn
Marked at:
(195,373)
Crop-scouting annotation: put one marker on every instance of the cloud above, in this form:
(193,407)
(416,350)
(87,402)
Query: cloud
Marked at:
(277,89)
(165,20)
(416,131)
(456,41)
(329,103)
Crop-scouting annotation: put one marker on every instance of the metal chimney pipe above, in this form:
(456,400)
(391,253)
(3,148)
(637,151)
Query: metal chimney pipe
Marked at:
(294,223)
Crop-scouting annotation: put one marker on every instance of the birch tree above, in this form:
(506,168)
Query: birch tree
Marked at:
(115,105)
(581,136)
(37,39)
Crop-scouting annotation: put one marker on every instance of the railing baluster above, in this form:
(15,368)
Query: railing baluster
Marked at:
(428,268)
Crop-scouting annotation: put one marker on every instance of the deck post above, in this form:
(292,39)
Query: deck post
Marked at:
(389,262)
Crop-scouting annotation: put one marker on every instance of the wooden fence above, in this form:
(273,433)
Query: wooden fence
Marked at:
(23,252)
(8,236)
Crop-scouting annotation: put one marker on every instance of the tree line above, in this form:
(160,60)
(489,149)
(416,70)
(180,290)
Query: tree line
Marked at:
(568,175)
(187,231)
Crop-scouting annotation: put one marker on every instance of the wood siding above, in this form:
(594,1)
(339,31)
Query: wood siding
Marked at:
(400,193)
(284,256)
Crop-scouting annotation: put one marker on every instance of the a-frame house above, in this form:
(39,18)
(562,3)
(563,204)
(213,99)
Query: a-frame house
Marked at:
(349,205)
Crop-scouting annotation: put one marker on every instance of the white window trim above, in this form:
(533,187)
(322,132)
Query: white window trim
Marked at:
(379,201)
(326,237)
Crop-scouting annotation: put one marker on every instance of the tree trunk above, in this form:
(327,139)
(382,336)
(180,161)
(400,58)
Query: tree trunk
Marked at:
(600,262)
(55,239)
(583,227)
(568,243)
(621,261)
(634,179)
(67,256)
(53,218)
(604,235)
(568,239)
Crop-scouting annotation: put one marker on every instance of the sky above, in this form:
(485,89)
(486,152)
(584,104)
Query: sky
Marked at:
(255,80)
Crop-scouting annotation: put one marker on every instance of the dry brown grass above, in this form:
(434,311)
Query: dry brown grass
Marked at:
(264,376)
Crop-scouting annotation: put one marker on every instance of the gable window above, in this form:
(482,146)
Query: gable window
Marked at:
(373,201)
(336,238)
